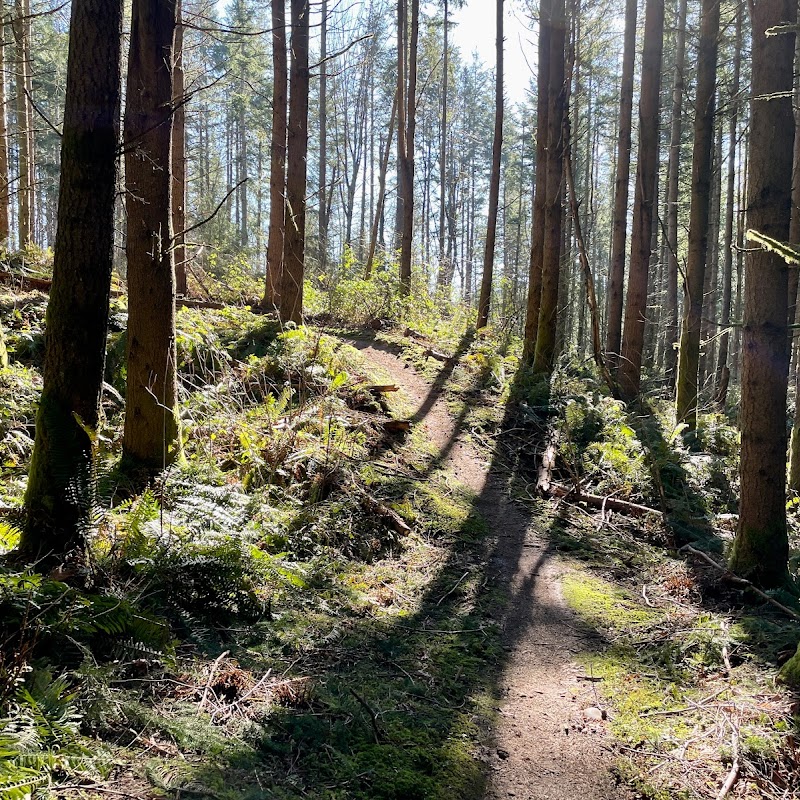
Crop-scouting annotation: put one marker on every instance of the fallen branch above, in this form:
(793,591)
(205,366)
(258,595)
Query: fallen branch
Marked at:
(431,353)
(214,668)
(412,334)
(189,302)
(395,521)
(382,388)
(733,775)
(545,480)
(372,715)
(734,578)
(600,501)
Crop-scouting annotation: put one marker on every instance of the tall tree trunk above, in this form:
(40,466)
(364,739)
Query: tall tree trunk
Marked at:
(673,174)
(179,159)
(630,367)
(540,185)
(24,123)
(5,194)
(616,271)
(291,307)
(792,316)
(373,244)
(402,56)
(544,354)
(723,371)
(761,548)
(61,485)
(689,357)
(407,164)
(277,174)
(494,184)
(152,437)
(444,271)
(323,138)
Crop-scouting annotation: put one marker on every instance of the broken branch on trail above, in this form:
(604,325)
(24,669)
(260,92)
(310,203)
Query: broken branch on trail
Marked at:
(599,501)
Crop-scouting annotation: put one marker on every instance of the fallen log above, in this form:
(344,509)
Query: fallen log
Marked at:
(600,501)
(46,284)
(548,464)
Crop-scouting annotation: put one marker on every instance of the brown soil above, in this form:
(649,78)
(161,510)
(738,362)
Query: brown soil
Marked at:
(545,743)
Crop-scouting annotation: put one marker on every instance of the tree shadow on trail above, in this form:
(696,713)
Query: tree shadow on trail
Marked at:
(401,704)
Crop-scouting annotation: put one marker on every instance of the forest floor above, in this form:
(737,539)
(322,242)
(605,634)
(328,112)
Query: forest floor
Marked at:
(352,589)
(549,740)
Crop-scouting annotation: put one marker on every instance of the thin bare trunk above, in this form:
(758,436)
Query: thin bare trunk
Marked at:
(494,184)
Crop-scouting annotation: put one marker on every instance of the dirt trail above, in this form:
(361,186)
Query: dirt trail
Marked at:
(544,747)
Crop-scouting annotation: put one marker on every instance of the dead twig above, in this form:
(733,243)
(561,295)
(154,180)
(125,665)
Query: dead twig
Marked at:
(372,715)
(733,775)
(734,578)
(214,668)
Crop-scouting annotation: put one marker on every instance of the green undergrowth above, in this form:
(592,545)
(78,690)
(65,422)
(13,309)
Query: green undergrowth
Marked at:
(299,609)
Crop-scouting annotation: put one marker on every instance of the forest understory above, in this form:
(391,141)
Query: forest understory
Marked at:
(328,597)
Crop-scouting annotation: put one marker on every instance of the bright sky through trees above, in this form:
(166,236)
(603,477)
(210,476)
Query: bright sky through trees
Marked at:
(474,30)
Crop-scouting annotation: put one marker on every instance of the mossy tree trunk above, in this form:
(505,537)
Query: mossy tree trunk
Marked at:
(60,493)
(294,241)
(704,108)
(761,547)
(151,439)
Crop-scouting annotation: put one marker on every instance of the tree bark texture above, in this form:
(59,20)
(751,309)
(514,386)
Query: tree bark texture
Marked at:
(152,438)
(179,159)
(294,241)
(619,225)
(407,163)
(323,138)
(761,548)
(277,165)
(277,173)
(61,485)
(494,182)
(540,185)
(673,174)
(21,30)
(5,194)
(630,367)
(544,354)
(723,371)
(379,205)
(689,355)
